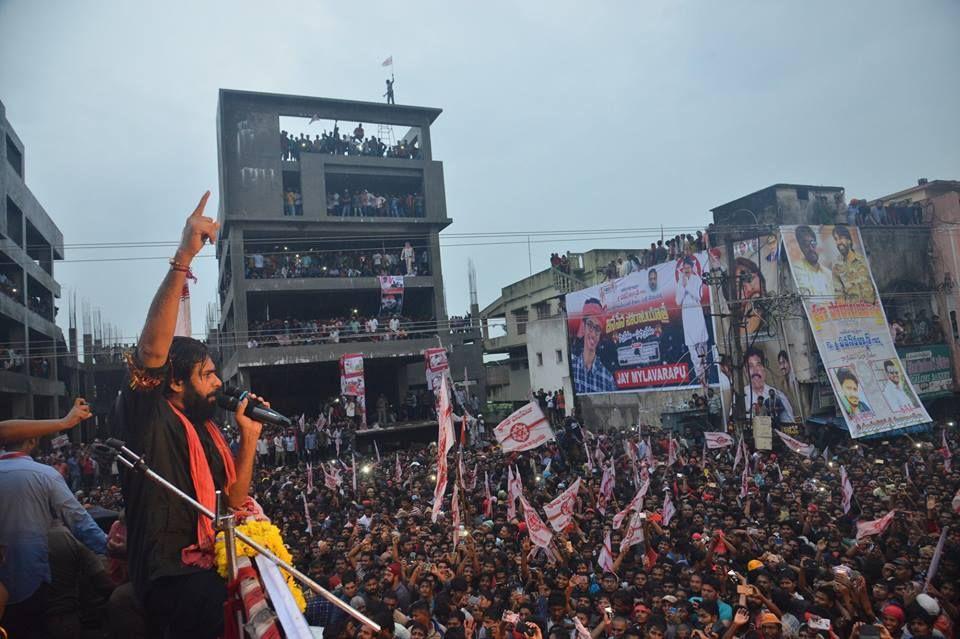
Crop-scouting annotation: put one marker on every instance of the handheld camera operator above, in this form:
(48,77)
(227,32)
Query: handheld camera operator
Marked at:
(165,414)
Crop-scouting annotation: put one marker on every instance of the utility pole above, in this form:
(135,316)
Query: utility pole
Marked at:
(736,321)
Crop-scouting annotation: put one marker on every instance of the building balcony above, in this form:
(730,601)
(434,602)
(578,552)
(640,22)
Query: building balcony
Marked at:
(330,283)
(504,343)
(327,352)
(22,383)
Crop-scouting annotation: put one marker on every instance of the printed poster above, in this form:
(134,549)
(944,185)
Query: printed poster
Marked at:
(849,325)
(352,384)
(435,360)
(648,331)
(391,294)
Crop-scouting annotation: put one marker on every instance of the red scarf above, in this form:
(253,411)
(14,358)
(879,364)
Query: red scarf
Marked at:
(203,486)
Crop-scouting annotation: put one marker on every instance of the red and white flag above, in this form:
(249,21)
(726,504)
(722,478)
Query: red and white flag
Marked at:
(669,510)
(539,533)
(398,471)
(184,328)
(560,511)
(672,447)
(846,490)
(651,461)
(331,477)
(474,476)
(606,488)
(598,455)
(388,62)
(606,554)
(635,505)
(525,429)
(715,439)
(796,445)
(875,527)
(309,477)
(634,534)
(445,438)
(745,482)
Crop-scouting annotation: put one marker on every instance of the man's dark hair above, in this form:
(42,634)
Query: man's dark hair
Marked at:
(844,374)
(348,577)
(842,231)
(420,604)
(185,353)
(753,351)
(804,230)
(783,355)
(888,363)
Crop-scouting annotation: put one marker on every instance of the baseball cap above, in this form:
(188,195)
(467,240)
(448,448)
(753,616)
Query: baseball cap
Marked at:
(769,618)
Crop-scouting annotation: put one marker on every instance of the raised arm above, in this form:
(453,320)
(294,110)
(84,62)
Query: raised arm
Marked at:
(157,333)
(15,430)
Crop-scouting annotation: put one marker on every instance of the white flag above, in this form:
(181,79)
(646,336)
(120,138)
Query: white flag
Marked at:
(353,458)
(514,492)
(376,449)
(634,534)
(669,510)
(947,454)
(606,554)
(525,429)
(796,445)
(846,490)
(455,512)
(582,632)
(636,504)
(671,452)
(487,497)
(540,535)
(606,488)
(739,456)
(183,327)
(745,482)
(717,439)
(560,511)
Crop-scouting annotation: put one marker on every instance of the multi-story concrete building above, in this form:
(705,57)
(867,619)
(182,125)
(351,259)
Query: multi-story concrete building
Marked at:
(308,224)
(30,243)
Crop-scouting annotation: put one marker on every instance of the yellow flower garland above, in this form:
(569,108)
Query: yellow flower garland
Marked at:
(267,535)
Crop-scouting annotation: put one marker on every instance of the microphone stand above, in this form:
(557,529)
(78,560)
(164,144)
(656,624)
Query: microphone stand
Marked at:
(224,522)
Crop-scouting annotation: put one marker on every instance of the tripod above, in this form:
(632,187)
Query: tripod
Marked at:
(223,521)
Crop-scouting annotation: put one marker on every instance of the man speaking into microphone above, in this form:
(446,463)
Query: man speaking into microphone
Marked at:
(165,414)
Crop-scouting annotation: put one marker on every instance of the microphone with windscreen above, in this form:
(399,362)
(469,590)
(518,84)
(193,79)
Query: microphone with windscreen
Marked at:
(229,398)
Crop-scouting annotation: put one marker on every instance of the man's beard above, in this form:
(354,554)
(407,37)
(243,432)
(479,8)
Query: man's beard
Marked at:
(197,407)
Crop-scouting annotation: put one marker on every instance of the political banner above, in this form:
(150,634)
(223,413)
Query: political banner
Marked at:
(525,429)
(436,366)
(928,368)
(391,294)
(767,365)
(352,384)
(647,331)
(831,272)
(717,439)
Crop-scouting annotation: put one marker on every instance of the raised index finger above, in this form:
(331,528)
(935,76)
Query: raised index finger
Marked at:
(197,212)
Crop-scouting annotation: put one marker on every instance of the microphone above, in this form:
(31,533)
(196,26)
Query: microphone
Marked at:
(230,397)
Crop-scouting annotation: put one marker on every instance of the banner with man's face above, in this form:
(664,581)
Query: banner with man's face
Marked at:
(767,366)
(849,325)
(648,331)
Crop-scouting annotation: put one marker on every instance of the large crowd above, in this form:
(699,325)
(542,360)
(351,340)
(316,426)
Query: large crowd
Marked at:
(756,545)
(402,260)
(335,143)
(365,203)
(291,332)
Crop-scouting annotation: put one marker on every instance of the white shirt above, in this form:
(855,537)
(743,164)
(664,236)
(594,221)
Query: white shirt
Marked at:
(786,415)
(813,280)
(896,397)
(262,447)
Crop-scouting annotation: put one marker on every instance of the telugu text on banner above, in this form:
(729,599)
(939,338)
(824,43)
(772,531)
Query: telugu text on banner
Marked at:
(647,331)
(839,296)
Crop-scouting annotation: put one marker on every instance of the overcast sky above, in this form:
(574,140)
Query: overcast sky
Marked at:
(557,115)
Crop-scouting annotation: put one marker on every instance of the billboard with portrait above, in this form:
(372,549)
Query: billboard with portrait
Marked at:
(647,331)
(840,299)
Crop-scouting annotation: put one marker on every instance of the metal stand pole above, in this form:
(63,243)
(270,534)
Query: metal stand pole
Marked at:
(134,462)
